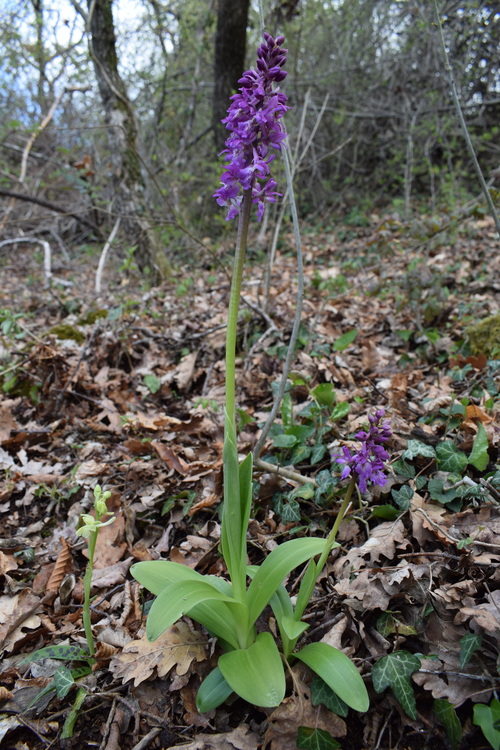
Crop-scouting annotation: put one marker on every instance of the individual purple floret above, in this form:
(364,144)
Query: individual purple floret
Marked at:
(367,461)
(253,119)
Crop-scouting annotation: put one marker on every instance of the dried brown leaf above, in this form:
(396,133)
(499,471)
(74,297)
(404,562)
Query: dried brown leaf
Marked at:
(62,566)
(177,647)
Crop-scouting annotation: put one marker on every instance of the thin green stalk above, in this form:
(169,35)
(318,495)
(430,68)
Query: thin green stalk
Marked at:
(232,514)
(327,549)
(234,303)
(69,724)
(87,582)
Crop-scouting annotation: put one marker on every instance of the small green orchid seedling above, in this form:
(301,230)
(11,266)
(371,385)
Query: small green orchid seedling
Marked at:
(90,531)
(251,664)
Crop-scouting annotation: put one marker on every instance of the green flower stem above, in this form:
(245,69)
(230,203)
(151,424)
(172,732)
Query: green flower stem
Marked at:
(328,547)
(69,724)
(87,582)
(231,515)
(234,303)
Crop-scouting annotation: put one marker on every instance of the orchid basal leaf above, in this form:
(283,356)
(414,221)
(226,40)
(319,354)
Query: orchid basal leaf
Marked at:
(339,673)
(178,599)
(275,568)
(213,691)
(256,673)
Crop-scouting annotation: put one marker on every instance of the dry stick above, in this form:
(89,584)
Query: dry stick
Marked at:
(102,259)
(298,314)
(283,472)
(52,206)
(24,161)
(296,162)
(463,124)
(46,254)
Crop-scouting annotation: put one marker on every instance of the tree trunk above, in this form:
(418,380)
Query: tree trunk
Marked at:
(230,47)
(127,179)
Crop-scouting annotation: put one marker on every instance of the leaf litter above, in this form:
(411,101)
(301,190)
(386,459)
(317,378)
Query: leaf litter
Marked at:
(133,401)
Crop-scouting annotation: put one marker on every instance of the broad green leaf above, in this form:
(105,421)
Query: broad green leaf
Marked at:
(324,394)
(446,714)
(156,575)
(63,681)
(277,565)
(318,453)
(306,586)
(213,691)
(285,441)
(387,624)
(403,469)
(468,644)
(479,456)
(152,383)
(449,458)
(403,497)
(300,453)
(176,600)
(282,607)
(315,739)
(345,340)
(394,671)
(290,512)
(287,410)
(322,693)
(236,506)
(340,411)
(304,491)
(293,628)
(416,448)
(339,673)
(256,673)
(389,512)
(487,717)
(63,651)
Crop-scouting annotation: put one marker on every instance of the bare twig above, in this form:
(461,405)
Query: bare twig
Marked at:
(282,472)
(463,124)
(102,259)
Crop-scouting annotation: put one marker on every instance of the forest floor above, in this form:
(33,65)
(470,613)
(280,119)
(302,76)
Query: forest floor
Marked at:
(127,390)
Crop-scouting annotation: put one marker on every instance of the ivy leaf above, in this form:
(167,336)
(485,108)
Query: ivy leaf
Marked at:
(479,456)
(315,739)
(403,497)
(394,671)
(449,458)
(345,340)
(290,512)
(305,491)
(340,411)
(63,681)
(446,714)
(416,448)
(468,644)
(318,453)
(152,383)
(285,441)
(324,394)
(322,693)
(403,469)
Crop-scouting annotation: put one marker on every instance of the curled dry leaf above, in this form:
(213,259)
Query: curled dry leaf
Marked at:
(61,568)
(177,647)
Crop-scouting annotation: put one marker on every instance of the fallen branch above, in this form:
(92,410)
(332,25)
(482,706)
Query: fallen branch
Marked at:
(52,207)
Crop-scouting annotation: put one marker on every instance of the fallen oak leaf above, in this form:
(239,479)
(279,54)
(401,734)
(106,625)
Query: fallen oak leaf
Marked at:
(171,458)
(178,647)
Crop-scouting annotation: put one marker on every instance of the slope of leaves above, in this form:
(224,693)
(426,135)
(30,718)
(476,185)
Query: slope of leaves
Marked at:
(127,392)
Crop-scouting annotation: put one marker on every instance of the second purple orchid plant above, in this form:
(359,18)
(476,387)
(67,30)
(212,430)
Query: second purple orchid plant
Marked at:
(251,664)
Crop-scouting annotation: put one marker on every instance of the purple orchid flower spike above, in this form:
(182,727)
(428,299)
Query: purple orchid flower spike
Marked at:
(254,121)
(367,461)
